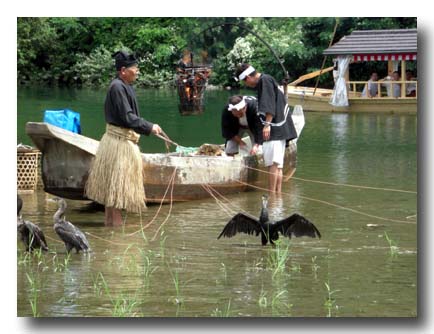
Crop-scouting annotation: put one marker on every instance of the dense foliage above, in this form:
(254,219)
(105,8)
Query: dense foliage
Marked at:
(77,51)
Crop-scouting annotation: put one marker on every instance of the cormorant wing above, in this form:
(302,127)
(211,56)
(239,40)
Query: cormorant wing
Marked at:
(297,226)
(79,235)
(38,232)
(241,223)
(83,240)
(70,236)
(38,235)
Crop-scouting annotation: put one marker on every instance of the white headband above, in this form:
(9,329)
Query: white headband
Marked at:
(246,72)
(240,105)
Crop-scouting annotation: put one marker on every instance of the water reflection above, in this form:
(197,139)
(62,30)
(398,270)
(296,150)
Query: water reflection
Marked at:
(236,276)
(339,128)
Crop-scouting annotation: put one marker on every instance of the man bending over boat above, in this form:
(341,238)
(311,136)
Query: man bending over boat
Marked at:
(115,179)
(240,117)
(277,126)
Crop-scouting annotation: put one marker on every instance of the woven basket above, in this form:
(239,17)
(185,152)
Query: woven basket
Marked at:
(27,169)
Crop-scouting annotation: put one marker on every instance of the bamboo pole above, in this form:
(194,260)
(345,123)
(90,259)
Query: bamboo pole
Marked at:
(325,57)
(403,78)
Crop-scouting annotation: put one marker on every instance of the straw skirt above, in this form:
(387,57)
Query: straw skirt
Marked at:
(116,175)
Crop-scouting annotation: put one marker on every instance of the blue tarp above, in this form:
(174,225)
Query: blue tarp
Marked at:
(63,118)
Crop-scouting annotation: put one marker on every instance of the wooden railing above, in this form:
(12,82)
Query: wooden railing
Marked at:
(355,89)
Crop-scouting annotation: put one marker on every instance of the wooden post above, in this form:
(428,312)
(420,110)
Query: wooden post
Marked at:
(403,78)
(389,67)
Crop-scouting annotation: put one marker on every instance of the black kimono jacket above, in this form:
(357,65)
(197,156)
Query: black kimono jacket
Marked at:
(121,108)
(271,100)
(231,124)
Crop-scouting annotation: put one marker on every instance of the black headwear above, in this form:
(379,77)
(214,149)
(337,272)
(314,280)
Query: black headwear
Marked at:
(123,59)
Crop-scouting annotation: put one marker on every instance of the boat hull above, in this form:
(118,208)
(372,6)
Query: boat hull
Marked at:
(320,102)
(67,157)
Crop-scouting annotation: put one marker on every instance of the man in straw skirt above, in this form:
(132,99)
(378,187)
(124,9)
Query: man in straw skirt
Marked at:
(116,178)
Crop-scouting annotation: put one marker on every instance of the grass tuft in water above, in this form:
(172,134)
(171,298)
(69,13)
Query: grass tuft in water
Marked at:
(262,300)
(123,305)
(279,305)
(148,267)
(61,265)
(315,267)
(225,313)
(97,284)
(162,244)
(393,248)
(278,257)
(278,302)
(296,267)
(330,302)
(34,294)
(177,299)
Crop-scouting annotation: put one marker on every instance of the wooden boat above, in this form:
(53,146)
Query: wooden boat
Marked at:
(321,102)
(395,47)
(67,156)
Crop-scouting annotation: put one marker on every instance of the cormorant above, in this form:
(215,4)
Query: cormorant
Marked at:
(294,225)
(19,204)
(30,234)
(70,235)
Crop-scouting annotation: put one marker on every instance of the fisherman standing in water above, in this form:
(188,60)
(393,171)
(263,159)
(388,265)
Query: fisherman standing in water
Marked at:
(115,179)
(277,125)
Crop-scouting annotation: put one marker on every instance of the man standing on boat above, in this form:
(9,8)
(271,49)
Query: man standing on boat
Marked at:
(239,117)
(115,179)
(277,126)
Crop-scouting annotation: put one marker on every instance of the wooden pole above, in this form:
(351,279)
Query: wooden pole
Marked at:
(403,78)
(389,68)
(325,57)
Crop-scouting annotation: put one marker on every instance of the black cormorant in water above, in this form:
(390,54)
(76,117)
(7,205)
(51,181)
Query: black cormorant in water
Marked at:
(294,225)
(71,235)
(30,234)
(19,205)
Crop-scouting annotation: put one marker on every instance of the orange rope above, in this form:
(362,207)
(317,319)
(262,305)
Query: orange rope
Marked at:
(60,242)
(335,205)
(109,241)
(220,203)
(237,209)
(340,184)
(170,208)
(171,180)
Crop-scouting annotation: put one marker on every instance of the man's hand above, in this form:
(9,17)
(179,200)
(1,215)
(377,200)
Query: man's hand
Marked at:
(266,132)
(156,130)
(254,149)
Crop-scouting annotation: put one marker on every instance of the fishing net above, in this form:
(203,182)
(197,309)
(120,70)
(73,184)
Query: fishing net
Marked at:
(183,150)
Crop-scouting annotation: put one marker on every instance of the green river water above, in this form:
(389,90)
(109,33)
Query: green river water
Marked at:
(352,271)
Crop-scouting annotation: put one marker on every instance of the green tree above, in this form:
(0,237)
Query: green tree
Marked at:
(75,51)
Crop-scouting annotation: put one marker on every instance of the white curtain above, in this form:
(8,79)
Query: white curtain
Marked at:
(340,95)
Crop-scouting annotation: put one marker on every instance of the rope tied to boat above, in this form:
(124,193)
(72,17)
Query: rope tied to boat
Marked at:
(170,184)
(333,204)
(179,148)
(340,184)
